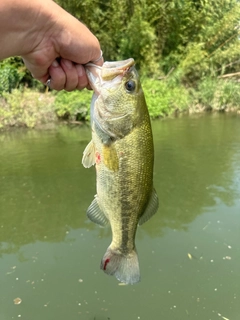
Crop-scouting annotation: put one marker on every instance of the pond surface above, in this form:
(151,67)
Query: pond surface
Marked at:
(189,252)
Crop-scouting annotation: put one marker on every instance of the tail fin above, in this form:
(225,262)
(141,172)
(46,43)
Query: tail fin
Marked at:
(124,267)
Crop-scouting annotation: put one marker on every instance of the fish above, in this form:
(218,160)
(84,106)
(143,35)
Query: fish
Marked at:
(123,154)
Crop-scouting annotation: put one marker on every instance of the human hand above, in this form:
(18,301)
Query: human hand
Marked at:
(74,74)
(53,44)
(62,52)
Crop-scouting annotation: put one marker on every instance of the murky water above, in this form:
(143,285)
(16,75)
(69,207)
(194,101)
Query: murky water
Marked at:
(189,252)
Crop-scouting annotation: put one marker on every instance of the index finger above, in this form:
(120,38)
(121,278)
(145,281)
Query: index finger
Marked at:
(99,60)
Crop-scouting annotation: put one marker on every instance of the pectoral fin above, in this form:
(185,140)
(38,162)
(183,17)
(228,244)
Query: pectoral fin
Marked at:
(96,215)
(88,159)
(151,208)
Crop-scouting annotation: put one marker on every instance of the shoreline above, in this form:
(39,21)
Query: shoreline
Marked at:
(31,109)
(192,112)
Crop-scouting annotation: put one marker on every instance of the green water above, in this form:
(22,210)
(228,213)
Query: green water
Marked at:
(189,251)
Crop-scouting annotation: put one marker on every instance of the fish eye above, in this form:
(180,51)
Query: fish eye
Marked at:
(130,85)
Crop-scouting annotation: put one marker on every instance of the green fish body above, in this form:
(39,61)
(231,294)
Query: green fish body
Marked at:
(122,151)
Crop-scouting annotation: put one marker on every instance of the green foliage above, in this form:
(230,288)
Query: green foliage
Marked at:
(25,108)
(163,98)
(206,92)
(140,42)
(201,38)
(219,94)
(10,75)
(14,74)
(208,40)
(122,27)
(73,106)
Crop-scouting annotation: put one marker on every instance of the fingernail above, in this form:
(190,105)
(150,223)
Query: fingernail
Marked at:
(55,63)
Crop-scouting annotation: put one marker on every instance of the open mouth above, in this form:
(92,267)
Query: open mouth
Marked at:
(109,75)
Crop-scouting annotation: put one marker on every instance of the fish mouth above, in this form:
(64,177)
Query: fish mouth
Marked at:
(123,64)
(108,75)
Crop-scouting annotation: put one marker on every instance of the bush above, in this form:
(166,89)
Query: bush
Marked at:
(26,108)
(218,94)
(230,97)
(163,98)
(10,76)
(73,106)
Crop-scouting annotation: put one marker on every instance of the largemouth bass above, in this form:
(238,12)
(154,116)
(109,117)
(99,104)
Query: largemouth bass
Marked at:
(122,150)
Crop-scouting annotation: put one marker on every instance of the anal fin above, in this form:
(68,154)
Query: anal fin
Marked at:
(151,208)
(95,214)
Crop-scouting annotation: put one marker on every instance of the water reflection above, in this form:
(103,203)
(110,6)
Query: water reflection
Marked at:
(39,174)
(195,167)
